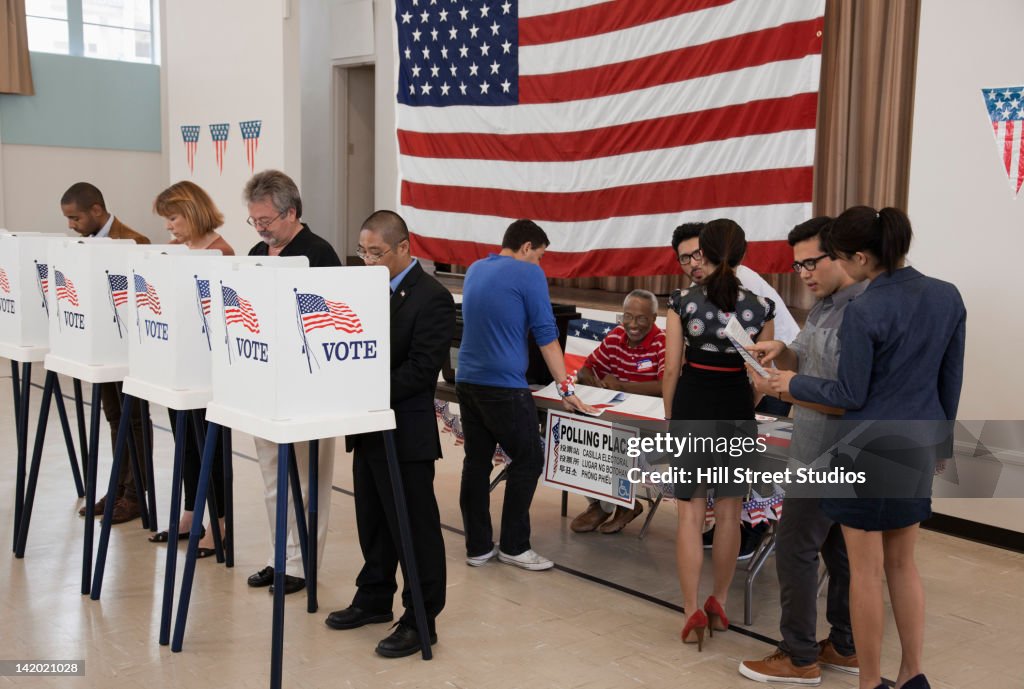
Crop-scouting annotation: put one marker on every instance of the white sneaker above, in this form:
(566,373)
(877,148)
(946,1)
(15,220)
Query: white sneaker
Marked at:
(527,560)
(478,560)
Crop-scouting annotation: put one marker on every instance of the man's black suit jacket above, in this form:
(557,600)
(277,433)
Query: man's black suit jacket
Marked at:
(422,328)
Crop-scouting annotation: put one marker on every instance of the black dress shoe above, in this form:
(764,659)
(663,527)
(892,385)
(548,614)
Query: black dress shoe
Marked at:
(291,584)
(404,641)
(352,617)
(264,577)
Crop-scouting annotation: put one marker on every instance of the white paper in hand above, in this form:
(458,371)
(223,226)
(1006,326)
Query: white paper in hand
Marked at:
(740,340)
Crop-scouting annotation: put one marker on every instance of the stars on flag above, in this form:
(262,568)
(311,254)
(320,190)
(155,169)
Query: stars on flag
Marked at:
(464,54)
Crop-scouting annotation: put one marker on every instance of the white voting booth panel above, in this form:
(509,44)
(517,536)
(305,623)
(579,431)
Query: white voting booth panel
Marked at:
(89,291)
(170,311)
(302,344)
(24,276)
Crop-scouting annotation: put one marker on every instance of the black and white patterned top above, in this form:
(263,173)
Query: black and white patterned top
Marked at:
(704,323)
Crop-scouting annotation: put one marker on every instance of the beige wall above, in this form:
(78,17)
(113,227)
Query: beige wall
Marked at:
(229,61)
(34,177)
(968,227)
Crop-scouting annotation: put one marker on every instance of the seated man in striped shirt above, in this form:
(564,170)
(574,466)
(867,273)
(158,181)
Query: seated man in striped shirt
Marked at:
(631,358)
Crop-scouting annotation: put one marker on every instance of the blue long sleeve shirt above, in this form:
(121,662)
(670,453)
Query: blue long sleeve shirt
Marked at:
(503,300)
(902,344)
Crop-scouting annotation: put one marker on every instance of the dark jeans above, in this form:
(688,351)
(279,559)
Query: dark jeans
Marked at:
(191,463)
(492,416)
(110,397)
(803,532)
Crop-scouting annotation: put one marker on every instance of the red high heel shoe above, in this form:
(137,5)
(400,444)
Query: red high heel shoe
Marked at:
(716,615)
(696,623)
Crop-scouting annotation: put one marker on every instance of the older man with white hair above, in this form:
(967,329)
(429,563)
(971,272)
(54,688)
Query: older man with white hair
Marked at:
(631,358)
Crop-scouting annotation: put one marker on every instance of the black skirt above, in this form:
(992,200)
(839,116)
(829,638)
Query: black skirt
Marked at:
(717,404)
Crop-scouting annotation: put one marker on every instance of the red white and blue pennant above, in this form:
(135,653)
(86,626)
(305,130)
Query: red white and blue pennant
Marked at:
(1006,113)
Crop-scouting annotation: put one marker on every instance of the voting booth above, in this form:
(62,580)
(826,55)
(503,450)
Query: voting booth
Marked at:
(24,339)
(298,355)
(24,277)
(301,345)
(89,292)
(169,316)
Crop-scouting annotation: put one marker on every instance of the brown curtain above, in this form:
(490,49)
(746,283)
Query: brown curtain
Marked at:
(15,69)
(866,104)
(865,112)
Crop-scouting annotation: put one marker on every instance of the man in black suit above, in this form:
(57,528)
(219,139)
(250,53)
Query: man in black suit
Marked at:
(422,327)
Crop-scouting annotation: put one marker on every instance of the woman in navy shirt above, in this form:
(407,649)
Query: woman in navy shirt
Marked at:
(902,344)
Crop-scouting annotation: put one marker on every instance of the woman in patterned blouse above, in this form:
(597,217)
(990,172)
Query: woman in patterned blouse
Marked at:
(712,390)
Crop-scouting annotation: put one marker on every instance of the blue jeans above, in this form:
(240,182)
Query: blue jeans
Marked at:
(492,416)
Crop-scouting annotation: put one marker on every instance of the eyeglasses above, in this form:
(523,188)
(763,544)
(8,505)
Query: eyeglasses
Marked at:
(808,264)
(639,320)
(264,223)
(371,257)
(696,257)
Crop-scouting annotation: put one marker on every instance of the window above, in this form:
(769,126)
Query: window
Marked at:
(47,25)
(106,29)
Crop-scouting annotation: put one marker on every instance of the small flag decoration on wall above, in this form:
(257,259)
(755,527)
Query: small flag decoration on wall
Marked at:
(190,134)
(219,133)
(251,136)
(1006,113)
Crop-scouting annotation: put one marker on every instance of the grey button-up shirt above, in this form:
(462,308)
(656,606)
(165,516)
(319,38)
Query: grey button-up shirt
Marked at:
(817,348)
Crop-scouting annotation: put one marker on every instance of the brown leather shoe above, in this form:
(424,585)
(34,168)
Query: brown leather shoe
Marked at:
(779,667)
(829,657)
(97,508)
(125,510)
(589,519)
(623,516)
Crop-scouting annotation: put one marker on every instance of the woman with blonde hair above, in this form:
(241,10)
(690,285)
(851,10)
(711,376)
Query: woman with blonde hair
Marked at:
(192,220)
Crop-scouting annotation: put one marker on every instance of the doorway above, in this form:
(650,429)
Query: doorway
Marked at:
(356,153)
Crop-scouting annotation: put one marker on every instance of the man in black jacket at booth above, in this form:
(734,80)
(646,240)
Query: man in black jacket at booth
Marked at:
(422,328)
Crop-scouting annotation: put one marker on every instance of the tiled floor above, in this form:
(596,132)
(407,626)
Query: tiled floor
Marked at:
(502,628)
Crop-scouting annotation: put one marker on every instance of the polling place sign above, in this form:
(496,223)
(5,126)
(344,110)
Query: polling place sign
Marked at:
(589,456)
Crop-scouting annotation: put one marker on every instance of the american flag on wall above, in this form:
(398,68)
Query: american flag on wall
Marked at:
(1006,112)
(219,134)
(251,136)
(5,284)
(317,312)
(65,288)
(607,123)
(146,296)
(190,135)
(239,310)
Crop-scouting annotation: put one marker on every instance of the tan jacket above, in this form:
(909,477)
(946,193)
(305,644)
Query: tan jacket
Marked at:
(118,230)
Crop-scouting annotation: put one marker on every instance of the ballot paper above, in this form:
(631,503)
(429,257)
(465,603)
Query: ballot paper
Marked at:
(740,340)
(598,398)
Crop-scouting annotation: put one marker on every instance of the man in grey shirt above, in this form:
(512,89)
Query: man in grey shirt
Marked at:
(804,530)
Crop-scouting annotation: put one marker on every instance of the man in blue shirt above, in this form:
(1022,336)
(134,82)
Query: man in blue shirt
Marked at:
(505,297)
